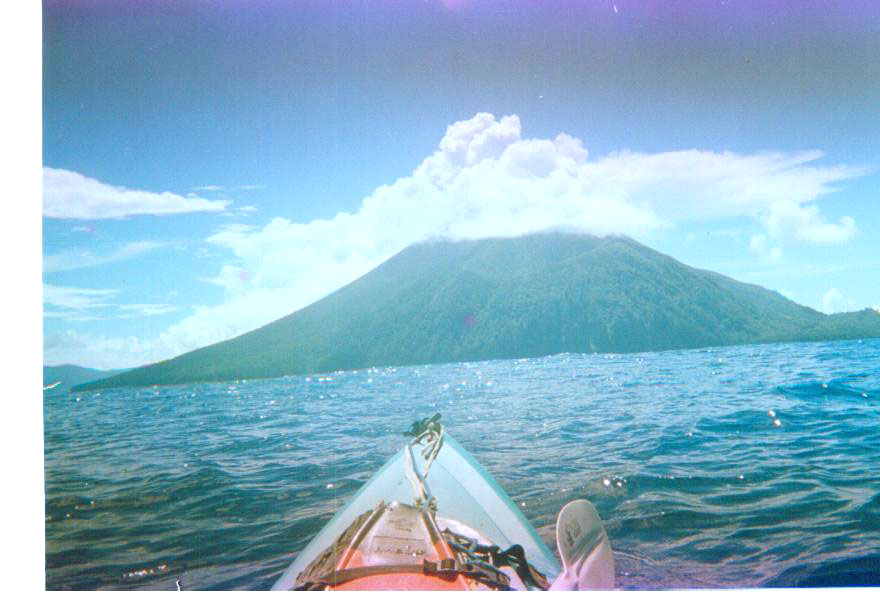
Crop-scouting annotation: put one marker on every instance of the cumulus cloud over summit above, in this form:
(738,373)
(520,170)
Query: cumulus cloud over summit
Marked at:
(486,180)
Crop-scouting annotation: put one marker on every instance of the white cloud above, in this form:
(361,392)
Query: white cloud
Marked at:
(90,304)
(758,245)
(831,299)
(79,259)
(236,227)
(485,180)
(96,351)
(834,301)
(67,194)
(72,316)
(145,310)
(76,298)
(805,223)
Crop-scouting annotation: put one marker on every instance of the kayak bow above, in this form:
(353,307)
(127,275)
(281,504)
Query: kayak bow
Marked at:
(441,522)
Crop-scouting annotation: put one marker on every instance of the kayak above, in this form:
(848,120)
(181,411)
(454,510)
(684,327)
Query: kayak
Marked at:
(437,520)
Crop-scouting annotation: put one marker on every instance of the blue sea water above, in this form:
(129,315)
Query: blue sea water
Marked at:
(750,466)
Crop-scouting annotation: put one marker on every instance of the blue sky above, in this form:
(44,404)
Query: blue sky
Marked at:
(212,166)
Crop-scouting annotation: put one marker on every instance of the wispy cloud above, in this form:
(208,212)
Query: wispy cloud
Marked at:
(236,227)
(90,304)
(72,316)
(77,298)
(67,194)
(79,259)
(145,310)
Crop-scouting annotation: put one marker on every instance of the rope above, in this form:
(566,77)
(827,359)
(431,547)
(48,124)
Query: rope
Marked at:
(427,433)
(493,556)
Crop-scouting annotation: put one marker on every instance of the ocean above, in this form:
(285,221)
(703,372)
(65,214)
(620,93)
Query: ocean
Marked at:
(750,466)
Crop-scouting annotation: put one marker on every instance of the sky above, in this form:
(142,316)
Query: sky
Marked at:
(208,167)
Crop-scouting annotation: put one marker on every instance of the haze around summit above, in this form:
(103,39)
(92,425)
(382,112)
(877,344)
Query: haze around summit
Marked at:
(211,168)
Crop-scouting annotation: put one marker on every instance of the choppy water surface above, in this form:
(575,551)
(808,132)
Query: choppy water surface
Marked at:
(730,467)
